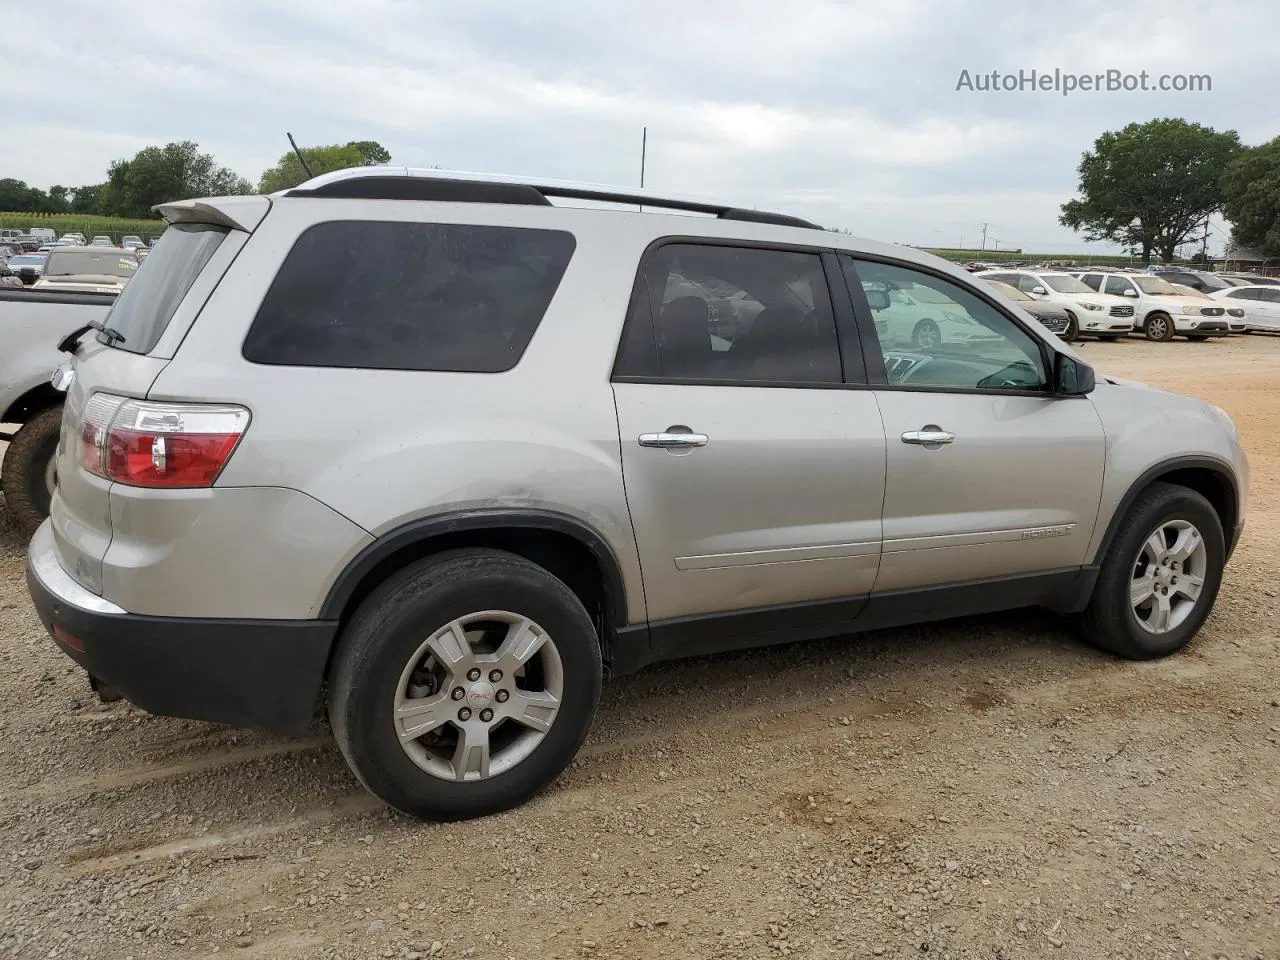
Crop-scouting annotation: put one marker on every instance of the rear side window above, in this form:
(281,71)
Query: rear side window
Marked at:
(409,296)
(145,306)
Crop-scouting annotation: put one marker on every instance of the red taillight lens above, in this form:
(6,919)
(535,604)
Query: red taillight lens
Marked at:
(149,444)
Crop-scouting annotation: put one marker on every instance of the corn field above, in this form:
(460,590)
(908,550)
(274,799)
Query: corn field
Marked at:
(90,226)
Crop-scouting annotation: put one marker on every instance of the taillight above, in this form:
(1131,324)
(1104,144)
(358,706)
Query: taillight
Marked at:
(152,444)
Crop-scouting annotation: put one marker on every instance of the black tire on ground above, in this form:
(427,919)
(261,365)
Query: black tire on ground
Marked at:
(1109,621)
(925,335)
(389,626)
(1158,327)
(1073,328)
(23,476)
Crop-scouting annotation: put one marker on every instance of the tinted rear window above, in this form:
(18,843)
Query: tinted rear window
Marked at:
(147,303)
(409,296)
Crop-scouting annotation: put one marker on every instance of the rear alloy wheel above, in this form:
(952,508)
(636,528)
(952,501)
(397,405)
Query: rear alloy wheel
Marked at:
(1072,332)
(926,335)
(1158,327)
(464,684)
(29,472)
(1161,576)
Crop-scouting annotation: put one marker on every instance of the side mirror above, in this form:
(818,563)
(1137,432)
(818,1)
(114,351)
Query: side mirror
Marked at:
(1039,291)
(1071,378)
(1130,292)
(877,299)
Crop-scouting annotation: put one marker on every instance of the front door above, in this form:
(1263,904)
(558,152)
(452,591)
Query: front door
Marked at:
(753,473)
(988,475)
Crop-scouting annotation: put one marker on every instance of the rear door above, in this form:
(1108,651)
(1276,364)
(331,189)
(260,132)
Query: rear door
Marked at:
(162,297)
(753,454)
(988,476)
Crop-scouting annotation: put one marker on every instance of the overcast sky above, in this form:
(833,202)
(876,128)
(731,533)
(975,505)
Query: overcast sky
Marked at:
(844,112)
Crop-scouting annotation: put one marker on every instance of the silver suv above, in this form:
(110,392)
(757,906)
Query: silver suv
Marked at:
(430,454)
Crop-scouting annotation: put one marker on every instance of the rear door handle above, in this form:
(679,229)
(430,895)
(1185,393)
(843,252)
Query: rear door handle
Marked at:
(678,441)
(930,435)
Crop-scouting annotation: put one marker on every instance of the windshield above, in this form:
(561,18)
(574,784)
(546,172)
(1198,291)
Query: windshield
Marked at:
(145,307)
(67,263)
(1006,291)
(1155,285)
(1065,283)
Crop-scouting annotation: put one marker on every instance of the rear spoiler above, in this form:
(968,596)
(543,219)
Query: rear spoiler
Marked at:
(238,213)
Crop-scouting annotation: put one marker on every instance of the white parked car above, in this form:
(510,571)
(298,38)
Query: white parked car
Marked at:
(1161,312)
(1235,315)
(1088,312)
(87,270)
(101,241)
(1261,305)
(922,318)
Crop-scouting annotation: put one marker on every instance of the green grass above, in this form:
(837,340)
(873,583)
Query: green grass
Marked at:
(90,226)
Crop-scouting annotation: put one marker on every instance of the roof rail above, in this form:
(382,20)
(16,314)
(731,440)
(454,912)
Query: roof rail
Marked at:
(404,183)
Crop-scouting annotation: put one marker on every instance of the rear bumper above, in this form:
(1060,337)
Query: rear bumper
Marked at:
(265,674)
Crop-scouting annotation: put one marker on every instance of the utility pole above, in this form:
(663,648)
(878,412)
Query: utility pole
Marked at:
(984,227)
(644,144)
(1204,247)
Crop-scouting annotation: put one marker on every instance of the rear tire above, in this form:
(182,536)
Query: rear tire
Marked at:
(384,643)
(1112,620)
(28,475)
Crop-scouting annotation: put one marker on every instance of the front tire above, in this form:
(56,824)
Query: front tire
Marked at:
(28,475)
(464,684)
(1072,332)
(1158,327)
(1160,577)
(926,335)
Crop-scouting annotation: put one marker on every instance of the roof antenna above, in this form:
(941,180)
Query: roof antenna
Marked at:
(301,159)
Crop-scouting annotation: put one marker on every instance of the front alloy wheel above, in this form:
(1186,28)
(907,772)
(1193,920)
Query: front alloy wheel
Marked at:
(1168,576)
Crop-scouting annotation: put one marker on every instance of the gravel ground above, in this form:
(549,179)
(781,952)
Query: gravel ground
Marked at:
(986,788)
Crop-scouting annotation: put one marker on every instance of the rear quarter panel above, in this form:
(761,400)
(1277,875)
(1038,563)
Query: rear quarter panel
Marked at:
(386,447)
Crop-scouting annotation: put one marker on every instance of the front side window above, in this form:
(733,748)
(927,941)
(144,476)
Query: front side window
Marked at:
(407,296)
(731,314)
(1092,280)
(1064,283)
(1028,283)
(1156,286)
(1117,286)
(948,336)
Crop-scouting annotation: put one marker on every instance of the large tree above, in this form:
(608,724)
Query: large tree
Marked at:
(1151,185)
(176,171)
(1251,188)
(288,171)
(88,199)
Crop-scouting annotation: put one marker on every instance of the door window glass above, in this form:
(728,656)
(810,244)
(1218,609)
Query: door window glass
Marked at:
(733,314)
(934,333)
(1117,286)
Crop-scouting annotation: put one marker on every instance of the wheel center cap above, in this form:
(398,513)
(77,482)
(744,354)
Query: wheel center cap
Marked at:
(1163,576)
(480,694)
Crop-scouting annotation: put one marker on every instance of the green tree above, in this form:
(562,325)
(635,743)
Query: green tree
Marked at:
(288,171)
(1251,188)
(176,171)
(88,199)
(17,197)
(58,201)
(1151,184)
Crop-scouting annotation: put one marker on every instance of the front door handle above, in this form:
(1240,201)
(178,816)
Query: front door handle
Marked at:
(676,441)
(930,435)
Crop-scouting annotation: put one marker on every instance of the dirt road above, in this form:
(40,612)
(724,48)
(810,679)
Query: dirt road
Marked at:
(989,788)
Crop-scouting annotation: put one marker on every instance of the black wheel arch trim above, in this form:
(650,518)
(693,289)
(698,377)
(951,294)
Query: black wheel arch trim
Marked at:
(429,528)
(1153,473)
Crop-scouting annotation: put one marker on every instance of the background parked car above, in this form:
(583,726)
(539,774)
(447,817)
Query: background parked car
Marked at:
(1052,318)
(1088,312)
(88,270)
(28,266)
(1200,280)
(1261,305)
(1161,312)
(8,278)
(1235,315)
(922,318)
(1254,279)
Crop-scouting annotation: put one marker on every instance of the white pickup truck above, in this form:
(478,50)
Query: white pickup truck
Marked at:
(32,325)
